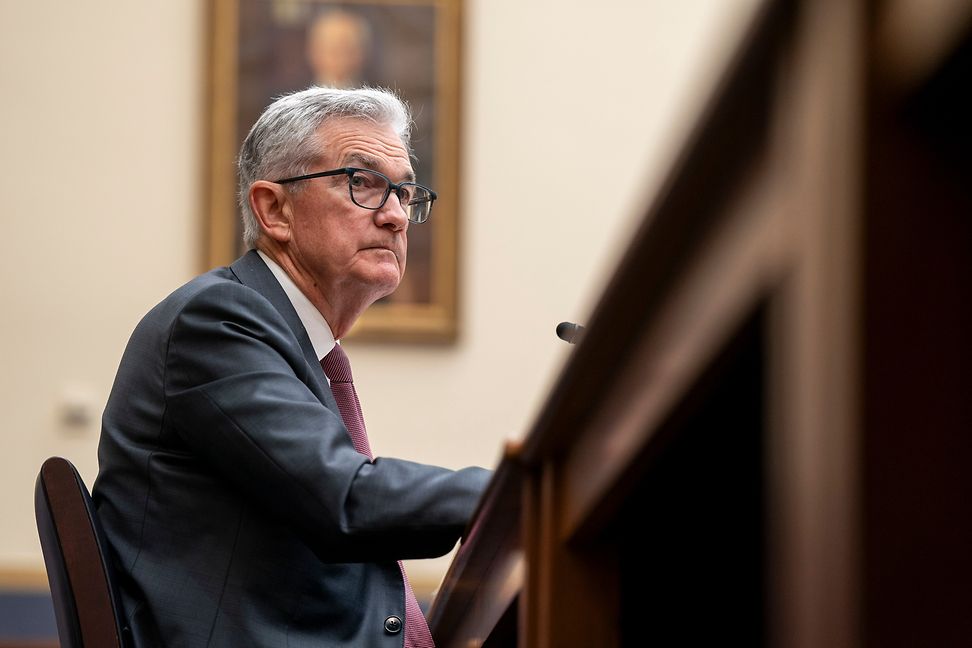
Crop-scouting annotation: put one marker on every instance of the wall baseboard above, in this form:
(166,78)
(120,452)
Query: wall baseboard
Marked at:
(28,579)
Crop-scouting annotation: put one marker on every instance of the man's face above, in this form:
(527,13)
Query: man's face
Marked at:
(351,252)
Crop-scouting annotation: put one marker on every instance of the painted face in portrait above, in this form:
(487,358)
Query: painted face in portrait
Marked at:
(337,48)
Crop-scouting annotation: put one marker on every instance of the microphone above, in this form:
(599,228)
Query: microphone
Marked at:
(570,332)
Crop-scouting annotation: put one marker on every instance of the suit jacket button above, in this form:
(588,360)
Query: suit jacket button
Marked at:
(393,625)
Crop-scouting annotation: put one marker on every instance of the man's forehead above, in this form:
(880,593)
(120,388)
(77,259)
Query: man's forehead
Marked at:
(356,142)
(396,171)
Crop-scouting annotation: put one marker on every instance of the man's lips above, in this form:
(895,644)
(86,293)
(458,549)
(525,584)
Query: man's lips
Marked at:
(386,248)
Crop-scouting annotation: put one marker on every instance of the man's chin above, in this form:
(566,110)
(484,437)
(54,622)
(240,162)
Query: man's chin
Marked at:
(382,287)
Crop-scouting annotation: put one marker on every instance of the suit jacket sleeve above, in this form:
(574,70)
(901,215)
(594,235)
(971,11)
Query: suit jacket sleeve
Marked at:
(237,393)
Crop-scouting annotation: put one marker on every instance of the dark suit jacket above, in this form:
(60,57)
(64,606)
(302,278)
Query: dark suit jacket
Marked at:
(238,510)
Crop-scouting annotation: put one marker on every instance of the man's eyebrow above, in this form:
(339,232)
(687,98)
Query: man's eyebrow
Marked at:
(370,162)
(362,160)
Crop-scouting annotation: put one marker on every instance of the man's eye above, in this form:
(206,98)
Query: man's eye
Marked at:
(368,181)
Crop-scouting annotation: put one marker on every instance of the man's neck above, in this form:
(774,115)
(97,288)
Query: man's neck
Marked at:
(338,310)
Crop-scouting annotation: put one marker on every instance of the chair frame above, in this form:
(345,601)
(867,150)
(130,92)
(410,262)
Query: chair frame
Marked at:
(86,602)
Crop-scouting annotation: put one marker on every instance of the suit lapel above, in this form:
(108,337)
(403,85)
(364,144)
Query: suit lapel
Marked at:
(254,273)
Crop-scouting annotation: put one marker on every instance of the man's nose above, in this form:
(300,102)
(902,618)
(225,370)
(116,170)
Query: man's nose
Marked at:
(392,215)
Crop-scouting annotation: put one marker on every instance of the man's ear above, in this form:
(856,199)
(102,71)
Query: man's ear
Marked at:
(271,205)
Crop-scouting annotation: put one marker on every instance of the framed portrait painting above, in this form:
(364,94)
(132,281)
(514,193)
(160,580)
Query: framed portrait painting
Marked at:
(261,49)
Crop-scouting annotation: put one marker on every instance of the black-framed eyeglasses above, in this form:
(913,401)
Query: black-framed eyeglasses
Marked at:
(370,189)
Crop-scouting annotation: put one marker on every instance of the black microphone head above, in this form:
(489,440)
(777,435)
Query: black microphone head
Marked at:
(569,332)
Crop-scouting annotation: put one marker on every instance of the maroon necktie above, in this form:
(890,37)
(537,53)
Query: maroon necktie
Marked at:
(338,370)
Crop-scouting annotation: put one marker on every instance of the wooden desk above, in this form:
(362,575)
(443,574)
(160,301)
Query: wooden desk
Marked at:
(764,437)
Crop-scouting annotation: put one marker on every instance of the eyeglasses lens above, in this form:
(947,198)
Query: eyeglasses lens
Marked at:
(369,190)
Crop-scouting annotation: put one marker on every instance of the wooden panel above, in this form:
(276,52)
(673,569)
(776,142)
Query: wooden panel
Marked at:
(917,413)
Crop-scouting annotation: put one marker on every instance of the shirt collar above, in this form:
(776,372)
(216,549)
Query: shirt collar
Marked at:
(314,323)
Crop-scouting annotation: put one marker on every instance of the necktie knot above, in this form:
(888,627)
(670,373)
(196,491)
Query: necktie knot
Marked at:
(337,366)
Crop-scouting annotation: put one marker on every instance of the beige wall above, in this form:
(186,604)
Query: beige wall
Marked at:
(572,112)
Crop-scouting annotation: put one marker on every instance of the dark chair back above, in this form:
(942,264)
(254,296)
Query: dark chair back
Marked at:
(86,601)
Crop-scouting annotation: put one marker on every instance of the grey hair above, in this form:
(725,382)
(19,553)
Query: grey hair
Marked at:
(283,142)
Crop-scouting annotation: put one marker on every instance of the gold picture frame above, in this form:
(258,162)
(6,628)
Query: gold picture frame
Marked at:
(262,48)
